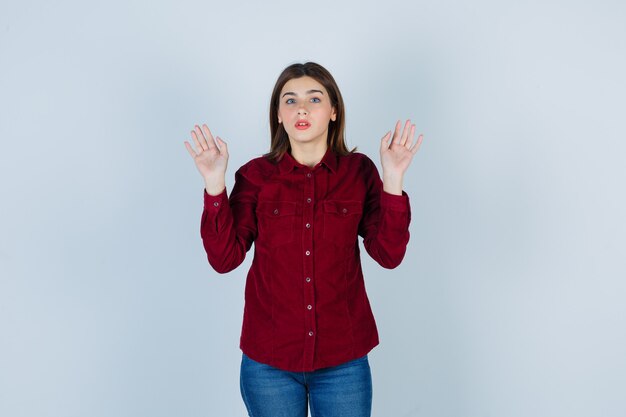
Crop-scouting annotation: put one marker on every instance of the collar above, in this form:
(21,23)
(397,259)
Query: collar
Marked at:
(287,162)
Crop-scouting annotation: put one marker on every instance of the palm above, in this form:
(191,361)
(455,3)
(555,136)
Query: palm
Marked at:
(396,157)
(210,159)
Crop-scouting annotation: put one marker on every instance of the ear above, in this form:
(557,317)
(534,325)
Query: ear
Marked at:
(333,115)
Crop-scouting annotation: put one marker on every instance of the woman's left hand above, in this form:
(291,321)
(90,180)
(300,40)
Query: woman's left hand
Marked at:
(396,157)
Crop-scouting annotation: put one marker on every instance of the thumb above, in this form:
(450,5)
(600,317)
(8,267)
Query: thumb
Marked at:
(384,144)
(223,145)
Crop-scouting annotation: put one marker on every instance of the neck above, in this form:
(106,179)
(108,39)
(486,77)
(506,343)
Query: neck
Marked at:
(309,154)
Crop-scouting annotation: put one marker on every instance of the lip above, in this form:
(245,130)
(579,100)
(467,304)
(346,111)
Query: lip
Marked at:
(297,126)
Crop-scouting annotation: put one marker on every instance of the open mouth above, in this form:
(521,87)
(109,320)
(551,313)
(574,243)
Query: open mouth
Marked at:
(302,125)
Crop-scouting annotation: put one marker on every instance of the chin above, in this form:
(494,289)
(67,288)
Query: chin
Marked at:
(299,137)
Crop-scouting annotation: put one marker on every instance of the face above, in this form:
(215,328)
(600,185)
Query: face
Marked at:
(305,99)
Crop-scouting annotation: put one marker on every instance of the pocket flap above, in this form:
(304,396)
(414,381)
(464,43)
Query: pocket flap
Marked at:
(277,208)
(343,207)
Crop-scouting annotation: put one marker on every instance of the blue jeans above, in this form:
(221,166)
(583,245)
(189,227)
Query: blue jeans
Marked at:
(344,390)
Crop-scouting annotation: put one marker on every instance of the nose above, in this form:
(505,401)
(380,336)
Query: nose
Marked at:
(301,109)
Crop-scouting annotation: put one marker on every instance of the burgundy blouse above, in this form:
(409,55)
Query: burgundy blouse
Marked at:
(306,306)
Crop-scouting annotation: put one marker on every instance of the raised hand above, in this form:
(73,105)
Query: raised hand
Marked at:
(211,157)
(395,156)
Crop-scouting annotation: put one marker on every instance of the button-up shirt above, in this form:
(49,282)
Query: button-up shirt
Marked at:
(306,306)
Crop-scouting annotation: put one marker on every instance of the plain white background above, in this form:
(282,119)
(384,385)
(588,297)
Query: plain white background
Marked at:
(510,301)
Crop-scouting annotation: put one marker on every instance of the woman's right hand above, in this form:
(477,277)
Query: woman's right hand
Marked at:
(211,157)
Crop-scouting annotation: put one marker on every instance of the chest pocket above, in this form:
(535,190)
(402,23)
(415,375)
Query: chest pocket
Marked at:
(341,221)
(276,220)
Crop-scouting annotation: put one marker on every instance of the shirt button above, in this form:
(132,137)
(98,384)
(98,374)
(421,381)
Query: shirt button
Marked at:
(307,253)
(308,174)
(309,306)
(308,225)
(308,200)
(275,211)
(345,210)
(310,333)
(216,204)
(308,279)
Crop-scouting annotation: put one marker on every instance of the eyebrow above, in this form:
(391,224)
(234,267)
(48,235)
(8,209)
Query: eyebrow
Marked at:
(291,93)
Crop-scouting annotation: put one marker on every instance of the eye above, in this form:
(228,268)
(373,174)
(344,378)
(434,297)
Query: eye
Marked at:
(287,102)
(315,98)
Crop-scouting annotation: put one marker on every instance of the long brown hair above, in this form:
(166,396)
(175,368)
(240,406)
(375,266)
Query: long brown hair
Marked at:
(336,129)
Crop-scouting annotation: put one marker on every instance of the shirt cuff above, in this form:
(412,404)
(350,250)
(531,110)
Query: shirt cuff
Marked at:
(395,202)
(214,202)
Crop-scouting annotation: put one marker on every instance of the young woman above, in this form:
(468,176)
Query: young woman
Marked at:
(307,324)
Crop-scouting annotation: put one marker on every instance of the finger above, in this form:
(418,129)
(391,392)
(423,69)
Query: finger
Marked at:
(209,136)
(194,135)
(396,133)
(417,144)
(201,138)
(190,149)
(405,132)
(409,139)
(384,144)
